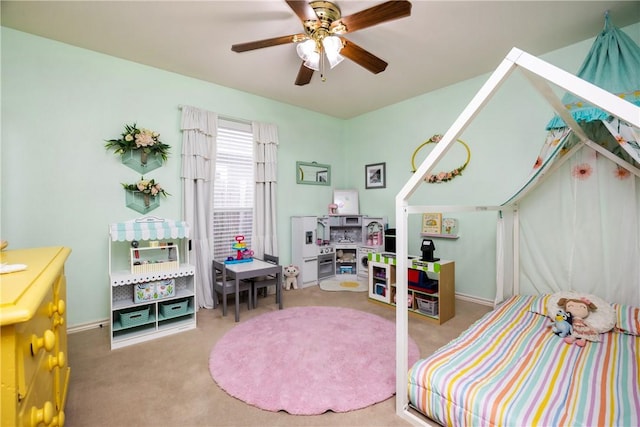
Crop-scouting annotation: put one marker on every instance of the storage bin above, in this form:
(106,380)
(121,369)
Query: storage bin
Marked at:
(154,267)
(150,291)
(427,306)
(173,309)
(134,317)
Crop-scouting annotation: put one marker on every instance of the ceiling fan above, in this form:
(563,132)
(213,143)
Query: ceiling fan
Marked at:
(324,27)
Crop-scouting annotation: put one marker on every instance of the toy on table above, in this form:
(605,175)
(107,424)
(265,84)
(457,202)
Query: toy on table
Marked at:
(243,254)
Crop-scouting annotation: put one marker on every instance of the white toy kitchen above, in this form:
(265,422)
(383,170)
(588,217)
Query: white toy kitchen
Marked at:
(334,245)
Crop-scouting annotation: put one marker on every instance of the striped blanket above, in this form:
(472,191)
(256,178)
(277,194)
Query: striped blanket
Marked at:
(509,369)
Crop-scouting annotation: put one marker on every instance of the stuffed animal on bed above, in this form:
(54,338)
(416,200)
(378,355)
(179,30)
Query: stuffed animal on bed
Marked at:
(561,326)
(579,310)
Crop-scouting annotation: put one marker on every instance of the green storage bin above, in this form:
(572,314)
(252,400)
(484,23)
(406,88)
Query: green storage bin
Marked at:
(173,309)
(134,318)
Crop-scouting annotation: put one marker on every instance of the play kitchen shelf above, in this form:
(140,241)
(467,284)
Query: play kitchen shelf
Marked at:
(153,286)
(431,286)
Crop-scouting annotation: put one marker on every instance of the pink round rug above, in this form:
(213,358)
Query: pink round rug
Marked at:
(309,360)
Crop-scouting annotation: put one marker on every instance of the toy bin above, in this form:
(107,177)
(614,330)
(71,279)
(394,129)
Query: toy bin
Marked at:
(174,309)
(132,318)
(150,291)
(427,305)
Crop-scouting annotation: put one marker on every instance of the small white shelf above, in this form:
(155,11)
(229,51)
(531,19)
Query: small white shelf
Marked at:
(125,277)
(440,236)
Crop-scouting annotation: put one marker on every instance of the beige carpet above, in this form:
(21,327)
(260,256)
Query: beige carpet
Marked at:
(344,285)
(166,382)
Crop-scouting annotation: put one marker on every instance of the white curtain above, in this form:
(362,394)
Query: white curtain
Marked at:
(199,130)
(505,286)
(265,234)
(580,230)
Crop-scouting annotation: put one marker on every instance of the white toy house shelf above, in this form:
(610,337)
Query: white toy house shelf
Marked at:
(152,284)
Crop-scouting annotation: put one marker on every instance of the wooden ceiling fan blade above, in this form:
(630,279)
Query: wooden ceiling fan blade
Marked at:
(303,9)
(362,57)
(304,75)
(375,15)
(259,44)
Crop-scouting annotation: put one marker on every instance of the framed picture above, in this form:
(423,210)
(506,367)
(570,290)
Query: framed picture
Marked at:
(375,175)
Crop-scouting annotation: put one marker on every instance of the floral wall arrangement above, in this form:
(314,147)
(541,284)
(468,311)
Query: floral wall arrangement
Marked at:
(143,196)
(142,151)
(139,148)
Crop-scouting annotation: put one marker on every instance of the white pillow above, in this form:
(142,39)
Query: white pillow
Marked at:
(601,320)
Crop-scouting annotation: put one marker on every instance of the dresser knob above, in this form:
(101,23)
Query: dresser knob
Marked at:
(44,415)
(58,361)
(58,307)
(58,321)
(58,420)
(48,341)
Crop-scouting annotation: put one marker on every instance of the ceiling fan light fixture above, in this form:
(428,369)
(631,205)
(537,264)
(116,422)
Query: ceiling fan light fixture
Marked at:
(306,49)
(332,46)
(313,62)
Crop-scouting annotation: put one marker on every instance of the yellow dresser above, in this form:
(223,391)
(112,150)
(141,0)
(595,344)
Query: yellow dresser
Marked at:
(33,339)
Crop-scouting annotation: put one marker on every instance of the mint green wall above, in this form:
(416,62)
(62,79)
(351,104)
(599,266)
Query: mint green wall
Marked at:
(504,139)
(61,187)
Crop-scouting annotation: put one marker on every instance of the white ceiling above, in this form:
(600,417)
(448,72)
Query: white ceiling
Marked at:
(441,43)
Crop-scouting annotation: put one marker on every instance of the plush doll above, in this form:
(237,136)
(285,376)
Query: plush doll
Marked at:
(579,310)
(291,277)
(561,326)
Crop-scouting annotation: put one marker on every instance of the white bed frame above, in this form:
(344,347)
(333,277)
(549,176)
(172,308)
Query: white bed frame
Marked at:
(540,74)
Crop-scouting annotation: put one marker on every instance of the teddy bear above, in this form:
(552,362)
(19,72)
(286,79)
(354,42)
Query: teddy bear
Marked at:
(562,326)
(290,277)
(579,308)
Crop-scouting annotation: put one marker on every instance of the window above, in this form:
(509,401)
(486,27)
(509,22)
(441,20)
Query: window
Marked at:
(233,187)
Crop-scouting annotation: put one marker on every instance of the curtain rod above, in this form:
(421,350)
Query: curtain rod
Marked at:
(222,116)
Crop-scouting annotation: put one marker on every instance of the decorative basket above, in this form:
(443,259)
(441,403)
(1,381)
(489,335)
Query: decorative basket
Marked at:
(141,202)
(429,307)
(173,309)
(155,267)
(135,317)
(150,291)
(141,162)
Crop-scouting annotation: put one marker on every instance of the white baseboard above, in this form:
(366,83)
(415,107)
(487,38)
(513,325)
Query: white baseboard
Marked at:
(477,300)
(86,326)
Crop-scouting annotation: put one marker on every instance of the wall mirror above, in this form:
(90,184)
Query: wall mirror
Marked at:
(313,173)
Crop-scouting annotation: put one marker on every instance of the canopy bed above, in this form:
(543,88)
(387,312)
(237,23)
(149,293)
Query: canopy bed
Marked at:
(520,372)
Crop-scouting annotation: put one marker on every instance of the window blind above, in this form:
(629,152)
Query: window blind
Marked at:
(233,187)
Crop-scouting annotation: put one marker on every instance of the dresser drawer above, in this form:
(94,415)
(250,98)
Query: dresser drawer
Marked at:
(33,361)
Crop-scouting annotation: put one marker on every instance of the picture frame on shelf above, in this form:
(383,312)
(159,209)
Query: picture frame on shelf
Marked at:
(432,223)
(375,176)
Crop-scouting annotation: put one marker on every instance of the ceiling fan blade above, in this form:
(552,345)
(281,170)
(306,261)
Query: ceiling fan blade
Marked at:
(304,75)
(302,8)
(375,15)
(362,57)
(259,44)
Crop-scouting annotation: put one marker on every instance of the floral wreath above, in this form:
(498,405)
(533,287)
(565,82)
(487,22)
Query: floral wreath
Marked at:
(441,176)
(133,139)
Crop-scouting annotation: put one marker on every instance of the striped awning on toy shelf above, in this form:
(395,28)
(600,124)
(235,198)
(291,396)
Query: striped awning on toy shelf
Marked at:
(149,228)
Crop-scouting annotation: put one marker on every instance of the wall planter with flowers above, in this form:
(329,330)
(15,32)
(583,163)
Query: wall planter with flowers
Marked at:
(140,149)
(144,195)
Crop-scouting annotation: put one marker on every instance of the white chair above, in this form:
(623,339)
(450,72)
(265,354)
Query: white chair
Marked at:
(224,287)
